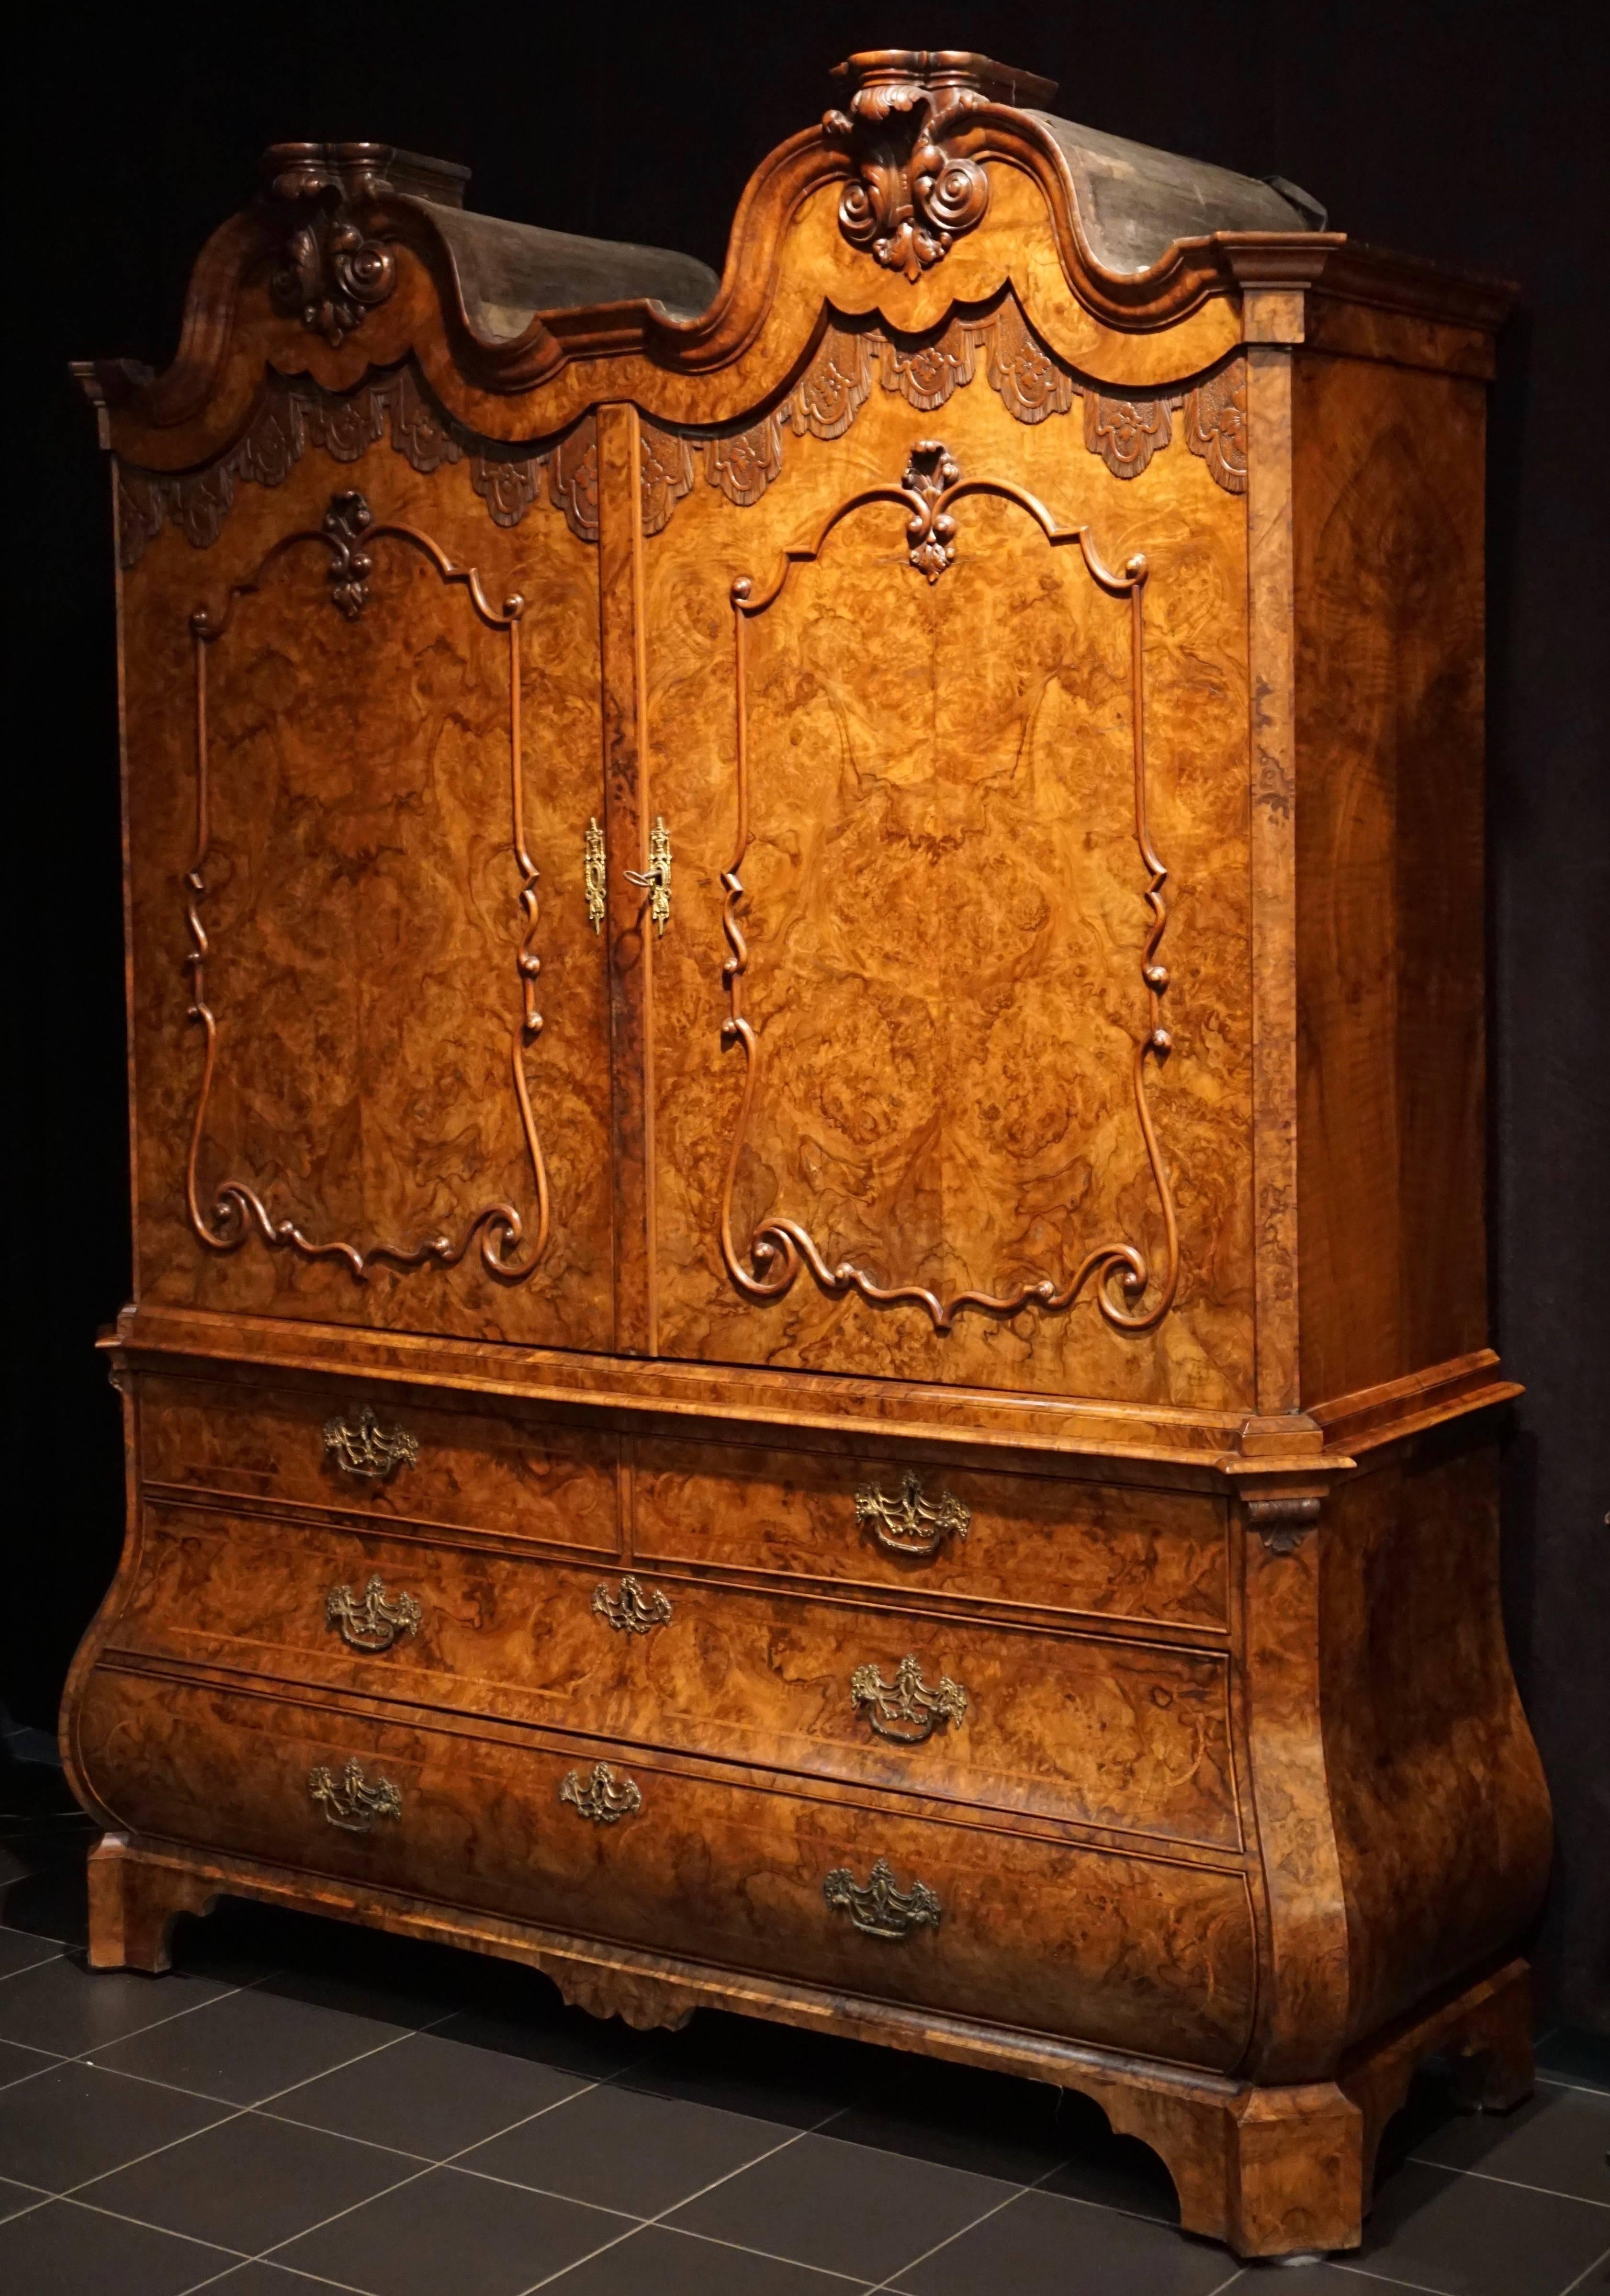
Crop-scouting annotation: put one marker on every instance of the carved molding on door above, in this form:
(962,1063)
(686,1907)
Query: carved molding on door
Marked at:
(237,1211)
(931,488)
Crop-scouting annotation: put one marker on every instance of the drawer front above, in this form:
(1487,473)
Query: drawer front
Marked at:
(342,1447)
(1072,1726)
(1129,1952)
(1048,1542)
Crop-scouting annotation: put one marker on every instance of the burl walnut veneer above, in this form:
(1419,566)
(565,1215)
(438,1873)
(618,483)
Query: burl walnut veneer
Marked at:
(805,974)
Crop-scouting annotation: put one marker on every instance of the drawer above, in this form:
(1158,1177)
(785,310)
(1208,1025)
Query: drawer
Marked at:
(1130,1952)
(1048,1542)
(408,1460)
(1072,1726)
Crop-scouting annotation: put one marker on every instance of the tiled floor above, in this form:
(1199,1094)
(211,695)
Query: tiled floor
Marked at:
(303,2106)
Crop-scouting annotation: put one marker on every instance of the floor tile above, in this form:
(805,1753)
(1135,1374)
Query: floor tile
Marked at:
(428,2097)
(447,2231)
(594,2048)
(14,2197)
(659,2262)
(261,2278)
(1572,2055)
(987,2122)
(621,2149)
(770,2072)
(249,2183)
(846,2206)
(20,1950)
(76,2121)
(1557,2141)
(62,2005)
(1469,2236)
(1113,2172)
(18,2063)
(66,2251)
(248,2045)
(1040,2244)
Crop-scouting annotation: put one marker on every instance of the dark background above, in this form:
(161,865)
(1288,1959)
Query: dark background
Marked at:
(1475,136)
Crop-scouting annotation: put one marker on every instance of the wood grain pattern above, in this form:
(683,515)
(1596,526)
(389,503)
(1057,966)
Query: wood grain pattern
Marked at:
(1388,569)
(706,1866)
(1031,1540)
(363,936)
(1096,1732)
(948,896)
(996,1444)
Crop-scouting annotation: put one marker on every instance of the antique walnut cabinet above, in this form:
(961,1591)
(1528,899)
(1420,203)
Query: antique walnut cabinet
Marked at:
(805,972)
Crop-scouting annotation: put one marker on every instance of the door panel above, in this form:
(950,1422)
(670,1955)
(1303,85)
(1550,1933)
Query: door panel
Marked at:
(372,1066)
(954,914)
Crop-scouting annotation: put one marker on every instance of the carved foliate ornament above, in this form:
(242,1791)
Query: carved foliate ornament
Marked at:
(331,275)
(930,531)
(912,195)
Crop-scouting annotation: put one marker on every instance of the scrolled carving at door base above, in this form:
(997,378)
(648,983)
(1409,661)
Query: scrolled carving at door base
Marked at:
(236,1210)
(1126,1296)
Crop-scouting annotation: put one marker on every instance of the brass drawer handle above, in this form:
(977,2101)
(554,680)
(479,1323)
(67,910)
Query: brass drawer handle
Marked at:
(906,1711)
(655,880)
(876,1907)
(372,1621)
(910,1524)
(348,1802)
(592,875)
(603,1799)
(367,1448)
(635,1610)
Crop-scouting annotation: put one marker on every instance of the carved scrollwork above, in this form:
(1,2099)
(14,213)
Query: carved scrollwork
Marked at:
(635,1610)
(1214,426)
(833,388)
(931,475)
(908,1523)
(350,1801)
(573,480)
(329,274)
(878,1907)
(237,1211)
(743,465)
(294,414)
(1126,432)
(602,1799)
(1031,384)
(1126,1296)
(345,522)
(926,376)
(906,1711)
(665,474)
(912,195)
(1283,1523)
(372,1620)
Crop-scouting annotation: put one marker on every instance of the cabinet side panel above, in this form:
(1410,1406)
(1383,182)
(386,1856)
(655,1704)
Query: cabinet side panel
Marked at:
(1437,1797)
(1389,601)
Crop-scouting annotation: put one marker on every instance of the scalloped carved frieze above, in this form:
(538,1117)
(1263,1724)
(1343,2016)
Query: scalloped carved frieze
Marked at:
(1126,432)
(294,414)
(1032,383)
(1213,424)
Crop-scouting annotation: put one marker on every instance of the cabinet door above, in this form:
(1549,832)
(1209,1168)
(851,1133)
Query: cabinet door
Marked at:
(947,725)
(370,1026)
